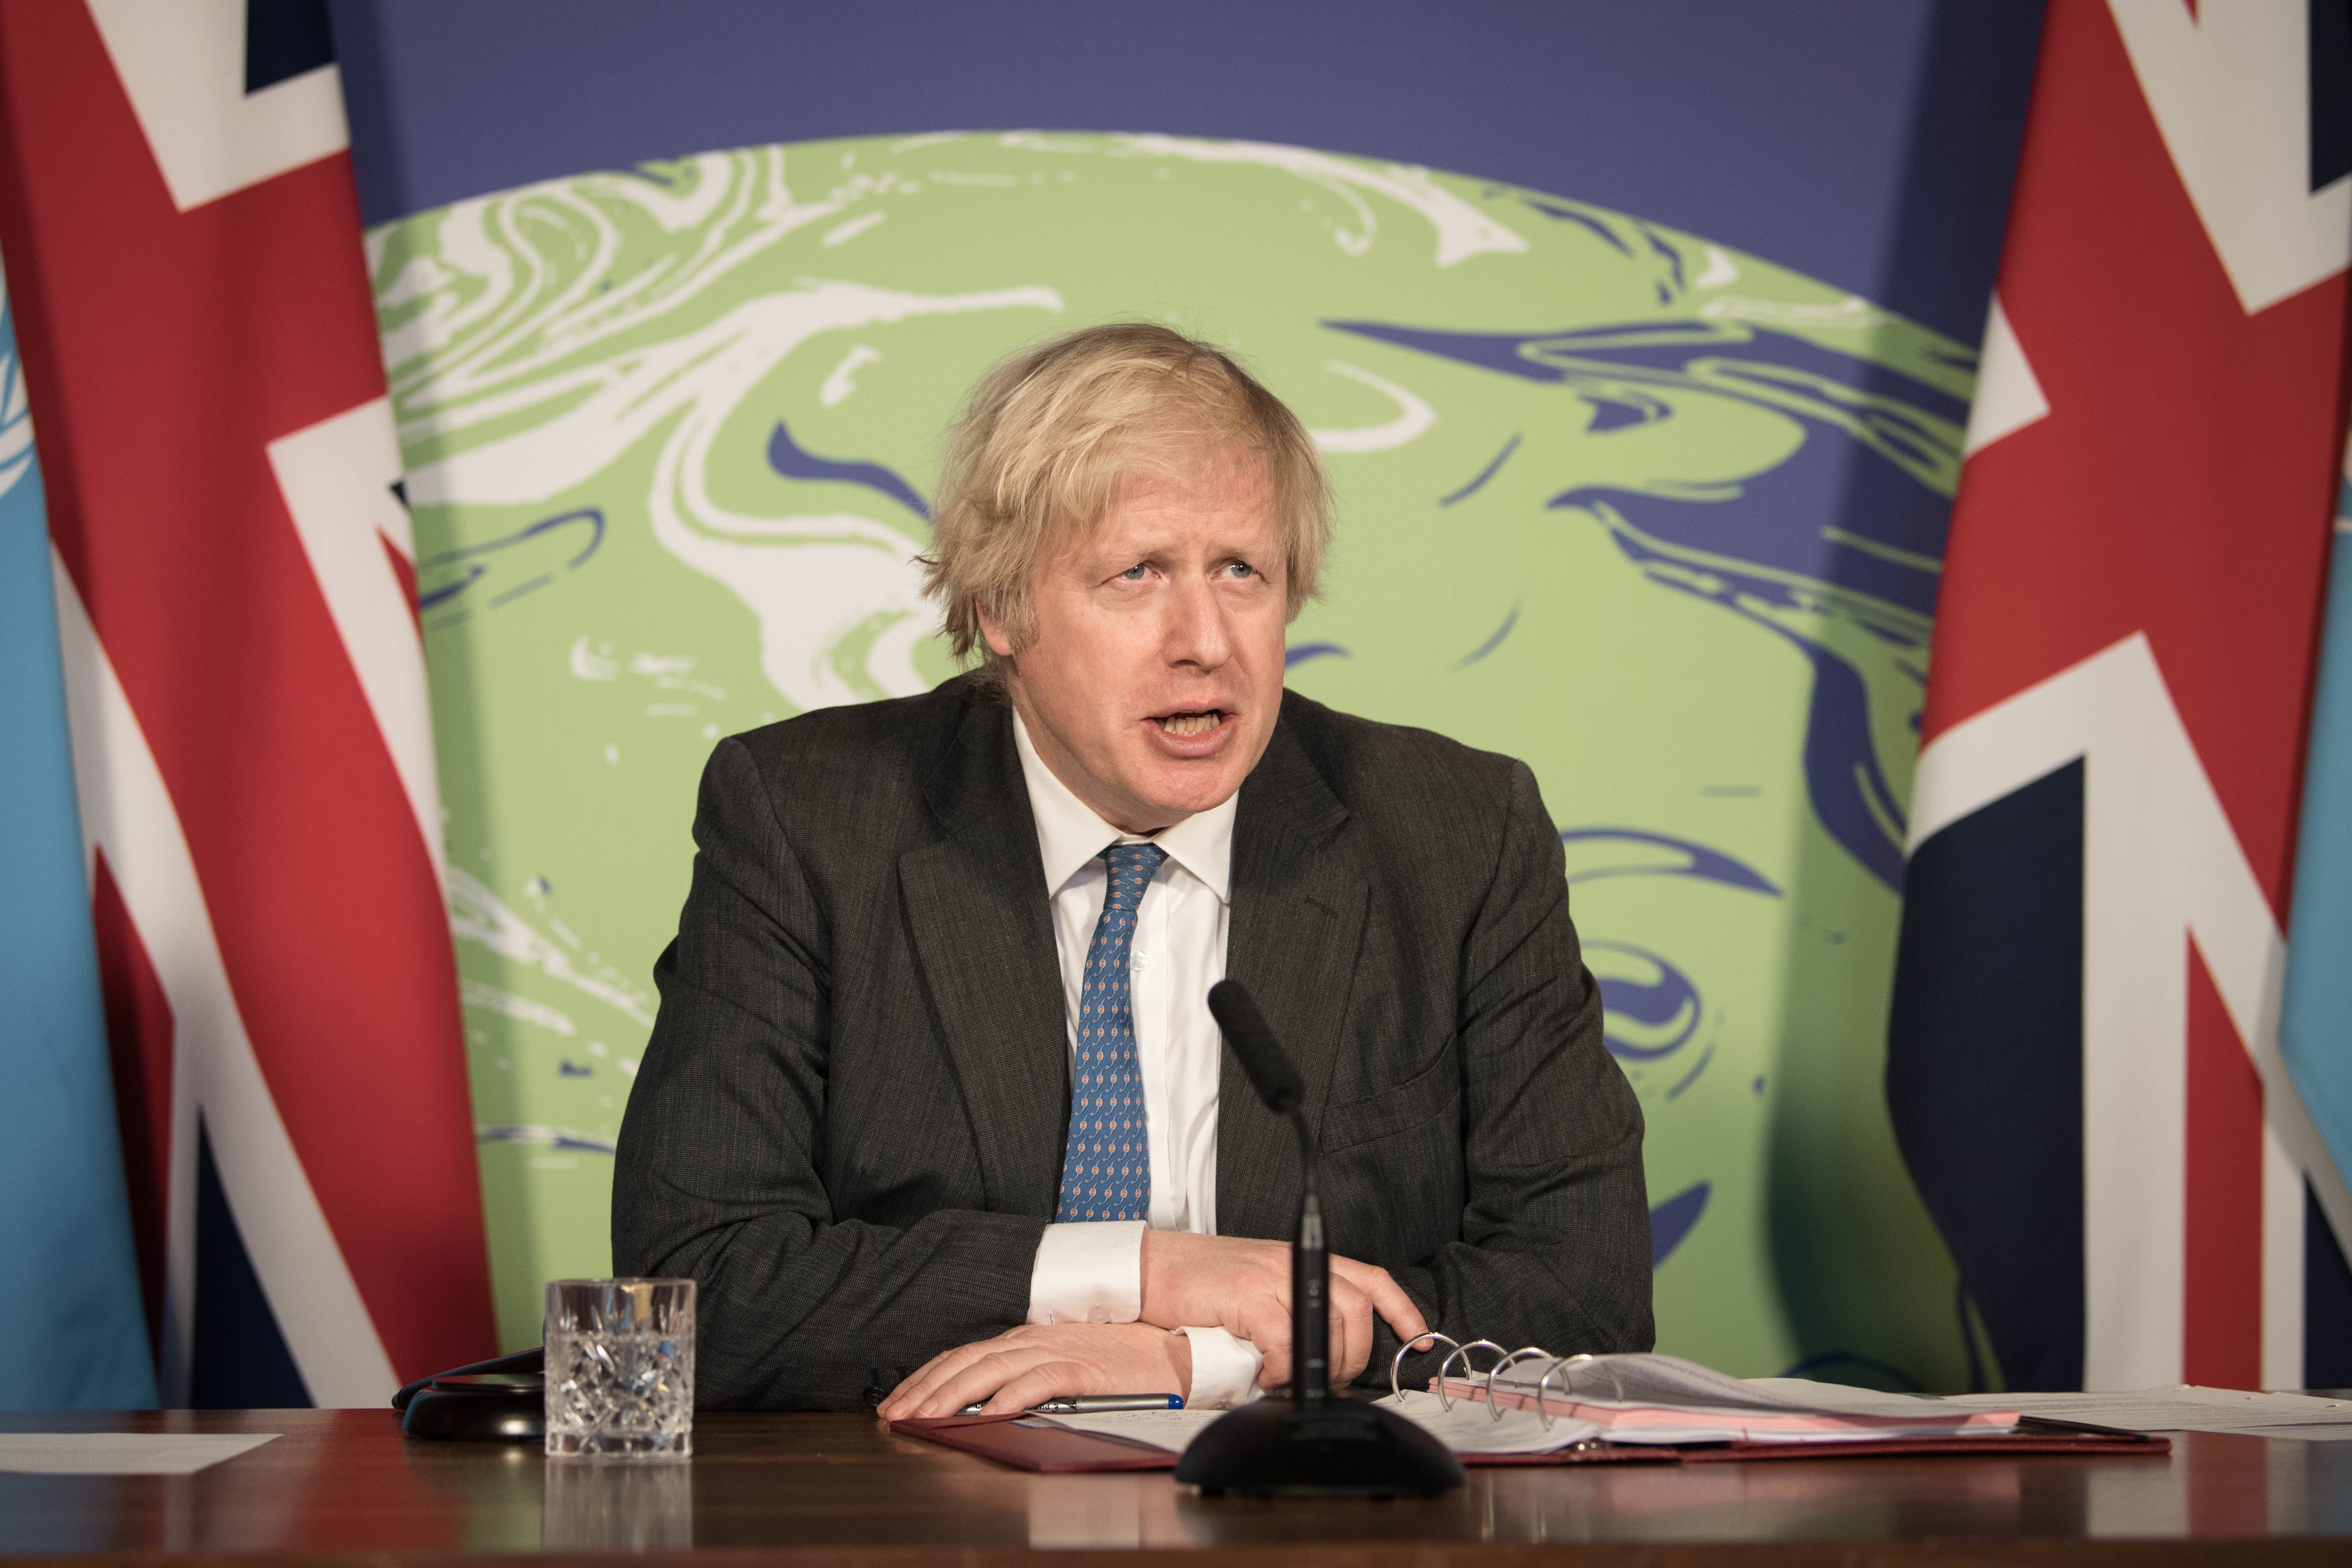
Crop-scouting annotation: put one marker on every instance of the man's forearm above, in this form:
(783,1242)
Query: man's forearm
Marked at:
(799,1317)
(1093,1273)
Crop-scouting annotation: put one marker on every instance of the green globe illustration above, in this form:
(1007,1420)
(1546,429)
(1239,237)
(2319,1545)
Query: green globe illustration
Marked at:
(670,434)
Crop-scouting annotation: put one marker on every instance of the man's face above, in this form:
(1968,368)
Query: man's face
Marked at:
(1154,676)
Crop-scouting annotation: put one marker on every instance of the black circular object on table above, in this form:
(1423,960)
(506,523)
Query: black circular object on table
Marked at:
(500,1401)
(1339,1447)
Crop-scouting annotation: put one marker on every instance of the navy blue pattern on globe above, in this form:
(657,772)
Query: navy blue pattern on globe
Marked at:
(1107,1173)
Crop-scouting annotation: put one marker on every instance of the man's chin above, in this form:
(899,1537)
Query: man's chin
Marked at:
(1175,790)
(1172,808)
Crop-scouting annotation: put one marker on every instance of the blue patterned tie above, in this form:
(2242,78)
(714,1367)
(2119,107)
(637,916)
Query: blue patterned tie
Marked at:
(1107,1173)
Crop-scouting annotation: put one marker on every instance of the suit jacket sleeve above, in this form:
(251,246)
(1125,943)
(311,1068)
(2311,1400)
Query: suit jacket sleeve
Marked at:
(1555,1248)
(717,1173)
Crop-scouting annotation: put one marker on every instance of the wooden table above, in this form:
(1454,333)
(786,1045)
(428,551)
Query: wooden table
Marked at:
(837,1492)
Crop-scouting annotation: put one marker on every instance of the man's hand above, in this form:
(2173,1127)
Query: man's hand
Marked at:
(1038,1362)
(1244,1287)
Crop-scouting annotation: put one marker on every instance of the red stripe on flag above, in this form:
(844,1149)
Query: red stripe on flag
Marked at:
(139,1039)
(163,351)
(2221,1246)
(2184,481)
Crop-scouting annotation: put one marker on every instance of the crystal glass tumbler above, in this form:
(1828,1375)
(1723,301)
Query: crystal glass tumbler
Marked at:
(619,1368)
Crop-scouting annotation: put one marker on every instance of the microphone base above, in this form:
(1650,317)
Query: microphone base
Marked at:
(1342,1447)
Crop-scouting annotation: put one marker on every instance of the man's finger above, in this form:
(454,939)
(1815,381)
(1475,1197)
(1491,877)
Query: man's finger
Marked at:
(1334,1348)
(1388,1297)
(922,1374)
(907,1384)
(1047,1379)
(977,1381)
(1351,1332)
(1266,1325)
(1348,1305)
(911,1390)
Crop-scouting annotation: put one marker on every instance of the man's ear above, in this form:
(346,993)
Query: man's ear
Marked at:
(991,632)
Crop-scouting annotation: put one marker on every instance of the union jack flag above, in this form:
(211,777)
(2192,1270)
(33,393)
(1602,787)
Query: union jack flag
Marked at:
(246,688)
(2084,1066)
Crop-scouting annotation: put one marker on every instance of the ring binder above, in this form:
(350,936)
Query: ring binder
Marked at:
(1504,1359)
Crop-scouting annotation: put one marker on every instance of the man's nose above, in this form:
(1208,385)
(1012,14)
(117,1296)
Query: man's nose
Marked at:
(1196,632)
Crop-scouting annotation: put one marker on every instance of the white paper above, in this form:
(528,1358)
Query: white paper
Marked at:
(1170,1429)
(1470,1427)
(1670,1426)
(1704,1428)
(1667,1400)
(122,1453)
(1639,1379)
(1847,1401)
(2185,1408)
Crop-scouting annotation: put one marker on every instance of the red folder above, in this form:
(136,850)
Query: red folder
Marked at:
(1049,1450)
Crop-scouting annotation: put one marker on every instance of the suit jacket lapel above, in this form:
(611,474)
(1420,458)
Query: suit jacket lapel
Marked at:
(1296,927)
(983,939)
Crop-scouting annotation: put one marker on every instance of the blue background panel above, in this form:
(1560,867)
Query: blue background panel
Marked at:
(1866,142)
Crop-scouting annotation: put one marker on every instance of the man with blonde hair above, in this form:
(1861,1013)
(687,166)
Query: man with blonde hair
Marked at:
(934,1109)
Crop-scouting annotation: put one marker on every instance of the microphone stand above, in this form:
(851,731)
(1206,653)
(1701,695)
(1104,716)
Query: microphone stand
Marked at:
(1310,1284)
(1311,1444)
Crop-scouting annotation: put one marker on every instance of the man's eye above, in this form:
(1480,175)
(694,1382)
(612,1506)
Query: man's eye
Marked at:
(1239,569)
(1133,574)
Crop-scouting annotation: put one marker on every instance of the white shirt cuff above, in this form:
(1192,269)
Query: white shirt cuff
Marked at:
(1090,1273)
(1224,1370)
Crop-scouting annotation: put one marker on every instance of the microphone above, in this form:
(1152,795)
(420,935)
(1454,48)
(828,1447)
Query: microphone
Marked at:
(1311,1444)
(1278,1084)
(1253,1046)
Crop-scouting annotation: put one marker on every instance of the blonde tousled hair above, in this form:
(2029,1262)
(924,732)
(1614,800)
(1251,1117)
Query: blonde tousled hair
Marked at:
(1050,432)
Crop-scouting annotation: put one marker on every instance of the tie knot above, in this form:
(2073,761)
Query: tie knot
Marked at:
(1131,869)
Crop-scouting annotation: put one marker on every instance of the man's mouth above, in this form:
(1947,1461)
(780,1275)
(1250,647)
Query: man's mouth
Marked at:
(1198,722)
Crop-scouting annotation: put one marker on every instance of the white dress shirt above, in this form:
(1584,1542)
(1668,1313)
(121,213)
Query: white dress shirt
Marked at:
(1093,1273)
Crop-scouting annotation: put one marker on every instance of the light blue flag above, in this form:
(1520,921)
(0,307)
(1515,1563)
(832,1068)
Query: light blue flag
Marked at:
(2315,1032)
(74,1335)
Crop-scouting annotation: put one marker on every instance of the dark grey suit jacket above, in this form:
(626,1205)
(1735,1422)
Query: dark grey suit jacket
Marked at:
(848,1125)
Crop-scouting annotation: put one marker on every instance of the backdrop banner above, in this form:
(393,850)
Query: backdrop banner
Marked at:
(1639,341)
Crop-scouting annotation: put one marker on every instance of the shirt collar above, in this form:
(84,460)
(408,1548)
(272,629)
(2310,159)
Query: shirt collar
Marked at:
(1069,834)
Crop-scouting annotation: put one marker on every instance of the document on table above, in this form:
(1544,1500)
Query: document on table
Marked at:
(1850,1401)
(1467,1428)
(1663,1399)
(1470,1427)
(2186,1409)
(122,1453)
(1170,1429)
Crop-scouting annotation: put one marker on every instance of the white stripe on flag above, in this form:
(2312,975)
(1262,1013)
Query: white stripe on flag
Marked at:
(182,65)
(127,812)
(337,477)
(2009,395)
(2230,86)
(2283,1220)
